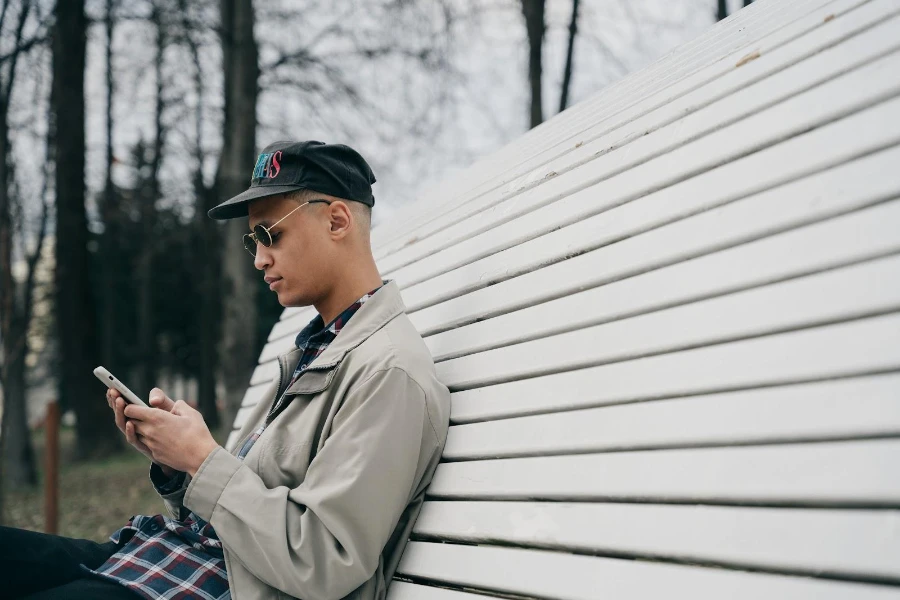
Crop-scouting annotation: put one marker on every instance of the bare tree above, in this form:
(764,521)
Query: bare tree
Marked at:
(721,9)
(76,322)
(16,299)
(207,242)
(148,197)
(533,10)
(237,354)
(570,51)
(109,210)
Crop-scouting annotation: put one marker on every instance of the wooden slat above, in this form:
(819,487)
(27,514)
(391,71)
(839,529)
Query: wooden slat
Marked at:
(846,349)
(687,180)
(844,543)
(807,200)
(280,345)
(858,407)
(401,590)
(851,473)
(656,95)
(641,141)
(255,393)
(544,574)
(863,234)
(264,373)
(838,295)
(692,66)
(291,324)
(232,440)
(241,416)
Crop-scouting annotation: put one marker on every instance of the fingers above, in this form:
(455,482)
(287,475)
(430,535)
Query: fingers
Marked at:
(159,399)
(133,438)
(119,407)
(182,408)
(111,396)
(140,413)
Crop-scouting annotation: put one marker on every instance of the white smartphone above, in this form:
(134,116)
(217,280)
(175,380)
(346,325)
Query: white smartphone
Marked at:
(114,384)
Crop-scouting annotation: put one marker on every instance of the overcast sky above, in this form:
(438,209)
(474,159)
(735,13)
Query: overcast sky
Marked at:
(477,112)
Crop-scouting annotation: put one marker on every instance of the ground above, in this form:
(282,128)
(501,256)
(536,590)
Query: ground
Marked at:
(95,498)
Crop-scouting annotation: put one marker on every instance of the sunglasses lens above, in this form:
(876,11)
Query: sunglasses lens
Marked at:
(249,244)
(262,235)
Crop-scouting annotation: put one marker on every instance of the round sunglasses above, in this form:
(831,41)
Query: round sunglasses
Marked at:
(262,234)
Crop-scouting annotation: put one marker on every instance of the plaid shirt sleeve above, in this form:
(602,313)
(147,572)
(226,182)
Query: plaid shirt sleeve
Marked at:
(163,483)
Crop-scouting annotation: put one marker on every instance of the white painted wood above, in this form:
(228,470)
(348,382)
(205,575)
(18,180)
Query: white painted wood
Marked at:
(857,236)
(241,416)
(839,295)
(232,440)
(291,324)
(845,349)
(686,178)
(683,290)
(255,393)
(859,543)
(641,141)
(787,206)
(851,473)
(265,372)
(690,67)
(656,95)
(571,577)
(402,590)
(857,407)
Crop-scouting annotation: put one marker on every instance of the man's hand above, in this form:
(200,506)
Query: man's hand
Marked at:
(158,399)
(178,438)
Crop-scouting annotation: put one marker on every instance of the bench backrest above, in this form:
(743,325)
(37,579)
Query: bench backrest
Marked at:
(670,322)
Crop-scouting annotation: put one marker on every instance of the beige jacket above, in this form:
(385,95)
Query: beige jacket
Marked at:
(323,504)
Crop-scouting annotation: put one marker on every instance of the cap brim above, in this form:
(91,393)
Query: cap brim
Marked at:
(236,207)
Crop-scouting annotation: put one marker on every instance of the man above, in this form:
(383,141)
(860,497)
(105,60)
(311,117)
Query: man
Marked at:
(318,497)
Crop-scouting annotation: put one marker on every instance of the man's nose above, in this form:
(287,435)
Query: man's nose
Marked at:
(263,258)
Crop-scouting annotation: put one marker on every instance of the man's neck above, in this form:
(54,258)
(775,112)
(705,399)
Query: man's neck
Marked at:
(349,292)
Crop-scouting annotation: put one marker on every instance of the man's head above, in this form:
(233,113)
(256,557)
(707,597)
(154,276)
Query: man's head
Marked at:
(324,241)
(318,243)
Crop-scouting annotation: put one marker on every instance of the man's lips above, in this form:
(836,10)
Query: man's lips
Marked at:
(271,279)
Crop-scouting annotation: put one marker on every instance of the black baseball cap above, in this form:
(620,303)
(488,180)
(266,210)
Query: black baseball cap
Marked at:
(333,169)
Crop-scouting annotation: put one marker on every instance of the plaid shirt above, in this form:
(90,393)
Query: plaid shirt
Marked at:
(181,560)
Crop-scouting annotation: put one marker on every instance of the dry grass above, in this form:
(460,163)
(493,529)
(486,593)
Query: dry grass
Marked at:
(95,498)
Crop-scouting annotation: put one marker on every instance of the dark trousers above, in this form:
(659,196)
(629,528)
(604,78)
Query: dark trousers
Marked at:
(39,566)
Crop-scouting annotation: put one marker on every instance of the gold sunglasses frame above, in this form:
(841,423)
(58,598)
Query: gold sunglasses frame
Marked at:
(255,238)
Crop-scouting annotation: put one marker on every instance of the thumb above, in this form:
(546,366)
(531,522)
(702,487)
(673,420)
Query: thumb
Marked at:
(158,399)
(182,408)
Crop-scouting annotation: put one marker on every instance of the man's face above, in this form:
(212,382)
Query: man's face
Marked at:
(297,260)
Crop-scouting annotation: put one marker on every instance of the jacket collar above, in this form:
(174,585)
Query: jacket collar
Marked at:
(375,313)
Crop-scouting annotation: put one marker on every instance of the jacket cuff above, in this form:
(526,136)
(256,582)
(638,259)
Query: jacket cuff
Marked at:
(165,485)
(210,481)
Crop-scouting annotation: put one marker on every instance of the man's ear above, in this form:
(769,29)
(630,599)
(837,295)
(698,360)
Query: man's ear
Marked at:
(340,219)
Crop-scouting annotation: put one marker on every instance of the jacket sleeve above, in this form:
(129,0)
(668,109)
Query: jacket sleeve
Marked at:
(170,489)
(323,539)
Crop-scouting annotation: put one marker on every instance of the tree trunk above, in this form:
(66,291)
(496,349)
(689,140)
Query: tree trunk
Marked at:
(236,351)
(18,456)
(78,389)
(147,371)
(206,247)
(109,213)
(534,24)
(567,72)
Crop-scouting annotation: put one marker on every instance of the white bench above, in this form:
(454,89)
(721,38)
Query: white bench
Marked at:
(670,322)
